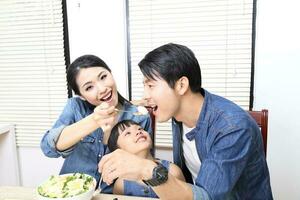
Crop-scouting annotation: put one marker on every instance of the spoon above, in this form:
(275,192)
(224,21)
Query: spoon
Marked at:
(141,111)
(98,190)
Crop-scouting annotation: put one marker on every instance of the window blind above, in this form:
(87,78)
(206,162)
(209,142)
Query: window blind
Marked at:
(219,32)
(32,67)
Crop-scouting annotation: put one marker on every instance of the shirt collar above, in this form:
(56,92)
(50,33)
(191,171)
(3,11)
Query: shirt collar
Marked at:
(202,119)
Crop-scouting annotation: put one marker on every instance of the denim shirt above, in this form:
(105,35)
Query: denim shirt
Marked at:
(230,148)
(86,154)
(133,188)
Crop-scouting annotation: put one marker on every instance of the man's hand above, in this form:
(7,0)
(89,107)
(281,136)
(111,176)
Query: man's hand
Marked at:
(125,165)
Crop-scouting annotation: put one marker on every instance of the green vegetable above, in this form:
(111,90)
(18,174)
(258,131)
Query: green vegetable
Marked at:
(66,185)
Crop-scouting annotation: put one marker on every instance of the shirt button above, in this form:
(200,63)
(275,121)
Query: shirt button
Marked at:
(99,155)
(100,141)
(146,190)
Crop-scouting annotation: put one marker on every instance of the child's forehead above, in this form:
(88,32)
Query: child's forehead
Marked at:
(125,127)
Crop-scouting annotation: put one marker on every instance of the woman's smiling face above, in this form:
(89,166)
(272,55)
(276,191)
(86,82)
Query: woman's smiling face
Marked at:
(97,85)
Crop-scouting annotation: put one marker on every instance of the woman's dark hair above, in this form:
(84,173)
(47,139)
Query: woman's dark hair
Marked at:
(82,62)
(115,132)
(171,62)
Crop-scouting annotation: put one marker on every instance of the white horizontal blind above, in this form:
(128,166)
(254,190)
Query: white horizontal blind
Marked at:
(219,32)
(32,66)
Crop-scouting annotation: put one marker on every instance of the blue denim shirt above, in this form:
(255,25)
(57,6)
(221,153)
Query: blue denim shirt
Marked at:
(230,148)
(86,154)
(133,188)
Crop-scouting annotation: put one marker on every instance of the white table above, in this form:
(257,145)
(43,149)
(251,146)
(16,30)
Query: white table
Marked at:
(9,167)
(25,193)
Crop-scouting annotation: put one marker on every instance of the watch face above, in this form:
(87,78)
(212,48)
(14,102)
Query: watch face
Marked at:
(159,176)
(160,173)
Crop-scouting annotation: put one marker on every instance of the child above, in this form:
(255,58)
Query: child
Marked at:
(131,137)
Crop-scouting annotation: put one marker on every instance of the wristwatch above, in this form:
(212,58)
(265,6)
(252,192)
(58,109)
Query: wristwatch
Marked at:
(159,176)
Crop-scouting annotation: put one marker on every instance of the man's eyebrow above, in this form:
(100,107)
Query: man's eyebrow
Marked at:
(151,79)
(145,81)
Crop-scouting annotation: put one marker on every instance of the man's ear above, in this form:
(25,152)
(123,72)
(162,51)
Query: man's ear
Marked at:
(182,85)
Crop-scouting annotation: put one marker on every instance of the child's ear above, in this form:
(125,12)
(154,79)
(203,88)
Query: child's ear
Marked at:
(182,85)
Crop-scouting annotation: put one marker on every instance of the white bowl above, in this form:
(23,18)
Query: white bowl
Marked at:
(83,196)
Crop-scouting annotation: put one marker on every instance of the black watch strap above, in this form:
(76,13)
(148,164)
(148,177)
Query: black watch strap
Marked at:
(159,176)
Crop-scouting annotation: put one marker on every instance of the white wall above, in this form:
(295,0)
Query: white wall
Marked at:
(98,27)
(35,167)
(95,27)
(277,88)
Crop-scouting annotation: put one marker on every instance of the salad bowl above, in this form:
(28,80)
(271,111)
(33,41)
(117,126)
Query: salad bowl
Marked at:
(75,186)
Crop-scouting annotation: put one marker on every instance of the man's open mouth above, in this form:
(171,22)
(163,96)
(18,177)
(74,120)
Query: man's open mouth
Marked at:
(152,107)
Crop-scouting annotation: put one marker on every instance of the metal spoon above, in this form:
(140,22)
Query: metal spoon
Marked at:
(98,190)
(141,111)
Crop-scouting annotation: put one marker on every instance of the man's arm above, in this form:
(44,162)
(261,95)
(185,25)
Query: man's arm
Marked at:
(128,166)
(118,187)
(176,172)
(174,189)
(171,190)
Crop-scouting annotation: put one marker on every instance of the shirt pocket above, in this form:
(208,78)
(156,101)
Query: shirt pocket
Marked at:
(88,139)
(87,146)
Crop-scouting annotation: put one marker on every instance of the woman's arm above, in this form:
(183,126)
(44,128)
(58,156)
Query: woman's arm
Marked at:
(50,138)
(103,116)
(73,133)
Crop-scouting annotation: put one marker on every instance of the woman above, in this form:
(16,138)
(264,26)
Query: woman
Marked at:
(81,132)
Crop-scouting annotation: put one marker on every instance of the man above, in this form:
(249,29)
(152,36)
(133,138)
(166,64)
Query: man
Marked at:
(216,143)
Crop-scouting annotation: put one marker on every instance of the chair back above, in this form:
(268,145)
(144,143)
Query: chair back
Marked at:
(261,118)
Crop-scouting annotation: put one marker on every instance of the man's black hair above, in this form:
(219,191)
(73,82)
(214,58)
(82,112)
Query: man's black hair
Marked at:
(171,62)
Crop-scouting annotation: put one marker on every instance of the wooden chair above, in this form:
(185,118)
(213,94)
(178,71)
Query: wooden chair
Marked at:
(261,118)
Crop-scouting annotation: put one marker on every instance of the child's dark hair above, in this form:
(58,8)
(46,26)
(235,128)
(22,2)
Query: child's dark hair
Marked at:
(171,62)
(83,62)
(115,132)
